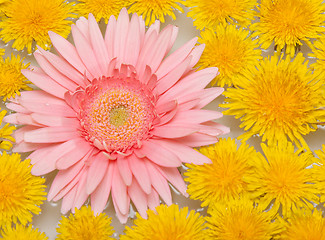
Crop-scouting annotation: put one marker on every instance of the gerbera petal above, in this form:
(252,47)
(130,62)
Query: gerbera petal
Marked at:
(175,58)
(17,108)
(119,192)
(195,116)
(97,171)
(81,195)
(19,133)
(69,53)
(86,53)
(139,198)
(184,153)
(45,82)
(196,54)
(140,172)
(125,171)
(63,178)
(208,95)
(155,27)
(55,121)
(174,131)
(68,200)
(159,183)
(52,72)
(109,36)
(122,28)
(39,154)
(172,77)
(63,66)
(28,147)
(175,178)
(122,217)
(83,27)
(153,200)
(20,118)
(197,140)
(51,135)
(98,44)
(158,154)
(132,46)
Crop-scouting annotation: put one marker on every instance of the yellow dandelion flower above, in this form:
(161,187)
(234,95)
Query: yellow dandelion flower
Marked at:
(2,51)
(319,173)
(6,139)
(280,99)
(169,223)
(289,22)
(284,181)
(239,219)
(152,10)
(84,225)
(11,78)
(305,226)
(210,13)
(223,179)
(29,21)
(232,50)
(21,232)
(21,193)
(101,8)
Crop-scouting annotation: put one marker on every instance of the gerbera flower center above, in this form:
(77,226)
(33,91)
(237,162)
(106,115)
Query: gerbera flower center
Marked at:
(116,113)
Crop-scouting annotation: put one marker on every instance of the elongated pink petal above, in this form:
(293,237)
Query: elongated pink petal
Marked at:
(57,76)
(184,153)
(175,58)
(17,108)
(81,195)
(119,193)
(159,183)
(132,46)
(63,178)
(197,140)
(159,155)
(97,171)
(48,163)
(109,36)
(19,133)
(124,169)
(83,27)
(196,54)
(153,200)
(195,116)
(172,77)
(39,155)
(175,178)
(20,118)
(68,200)
(121,216)
(155,27)
(139,170)
(51,135)
(63,66)
(28,147)
(122,28)
(86,53)
(100,196)
(55,121)
(173,38)
(98,44)
(74,156)
(45,82)
(37,96)
(174,131)
(139,198)
(208,95)
(69,53)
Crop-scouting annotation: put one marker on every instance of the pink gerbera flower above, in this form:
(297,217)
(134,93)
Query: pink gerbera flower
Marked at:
(115,115)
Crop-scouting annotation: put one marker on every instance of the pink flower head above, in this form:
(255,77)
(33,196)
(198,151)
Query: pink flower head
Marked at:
(115,115)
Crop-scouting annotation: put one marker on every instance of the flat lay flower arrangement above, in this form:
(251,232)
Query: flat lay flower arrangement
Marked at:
(105,117)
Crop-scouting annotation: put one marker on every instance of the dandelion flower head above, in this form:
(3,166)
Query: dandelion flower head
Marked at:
(240,219)
(305,225)
(232,50)
(84,225)
(288,23)
(167,223)
(20,232)
(6,131)
(223,179)
(21,193)
(210,13)
(152,10)
(280,99)
(101,8)
(115,115)
(284,180)
(12,81)
(27,22)
(319,171)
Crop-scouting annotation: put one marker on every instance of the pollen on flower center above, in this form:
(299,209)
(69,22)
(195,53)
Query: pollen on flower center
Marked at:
(116,114)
